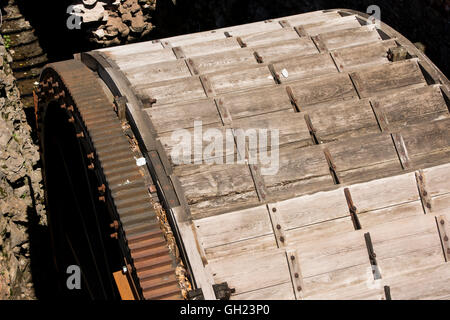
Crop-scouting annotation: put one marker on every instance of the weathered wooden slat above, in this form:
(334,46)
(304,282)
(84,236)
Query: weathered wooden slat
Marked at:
(224,60)
(267,38)
(443,223)
(210,47)
(211,189)
(233,227)
(423,191)
(388,77)
(311,209)
(361,56)
(341,23)
(278,292)
(340,120)
(346,38)
(240,79)
(286,49)
(291,126)
(375,217)
(133,48)
(438,187)
(182,116)
(252,272)
(156,72)
(296,273)
(425,284)
(427,144)
(365,158)
(312,17)
(250,28)
(172,91)
(412,107)
(256,102)
(141,58)
(189,39)
(323,90)
(301,170)
(305,67)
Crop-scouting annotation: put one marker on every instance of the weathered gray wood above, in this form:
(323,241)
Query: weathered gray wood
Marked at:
(125,61)
(346,38)
(301,170)
(311,17)
(296,273)
(172,91)
(341,23)
(438,180)
(224,60)
(188,39)
(305,67)
(269,38)
(210,47)
(260,101)
(240,79)
(444,232)
(341,120)
(252,272)
(286,49)
(278,292)
(360,56)
(366,158)
(182,116)
(412,106)
(385,78)
(156,72)
(323,90)
(250,28)
(233,227)
(213,189)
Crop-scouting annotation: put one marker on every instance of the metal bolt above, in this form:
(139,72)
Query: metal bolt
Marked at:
(80,135)
(299,288)
(428,205)
(102,188)
(90,155)
(278,227)
(425,193)
(296,275)
(274,209)
(292,258)
(442,222)
(445,238)
(282,239)
(115,225)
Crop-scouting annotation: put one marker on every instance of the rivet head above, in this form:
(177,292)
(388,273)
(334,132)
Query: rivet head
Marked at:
(299,288)
(446,238)
(278,227)
(296,275)
(282,239)
(442,222)
(448,251)
(292,258)
(274,209)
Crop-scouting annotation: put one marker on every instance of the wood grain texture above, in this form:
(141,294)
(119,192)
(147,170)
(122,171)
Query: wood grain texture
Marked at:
(267,38)
(286,49)
(341,23)
(347,38)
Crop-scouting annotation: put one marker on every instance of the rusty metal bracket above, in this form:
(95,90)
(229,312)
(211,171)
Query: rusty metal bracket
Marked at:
(352,209)
(331,165)
(372,257)
(424,195)
(312,130)
(196,294)
(223,291)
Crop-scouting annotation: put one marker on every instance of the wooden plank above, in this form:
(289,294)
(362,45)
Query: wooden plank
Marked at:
(320,230)
(172,91)
(361,56)
(323,90)
(341,120)
(341,23)
(244,247)
(130,49)
(252,103)
(286,49)
(189,39)
(376,217)
(291,126)
(210,47)
(351,37)
(278,227)
(383,193)
(305,67)
(425,284)
(353,283)
(311,17)
(428,144)
(248,273)
(212,189)
(278,292)
(301,170)
(224,60)
(241,79)
(411,107)
(395,76)
(233,227)
(268,38)
(311,209)
(249,28)
(126,62)
(339,251)
(424,194)
(123,286)
(366,158)
(168,118)
(156,72)
(438,179)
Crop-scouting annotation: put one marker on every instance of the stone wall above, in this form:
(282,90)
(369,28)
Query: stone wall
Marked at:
(21,195)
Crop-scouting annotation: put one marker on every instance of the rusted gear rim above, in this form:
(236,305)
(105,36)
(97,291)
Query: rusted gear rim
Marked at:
(121,184)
